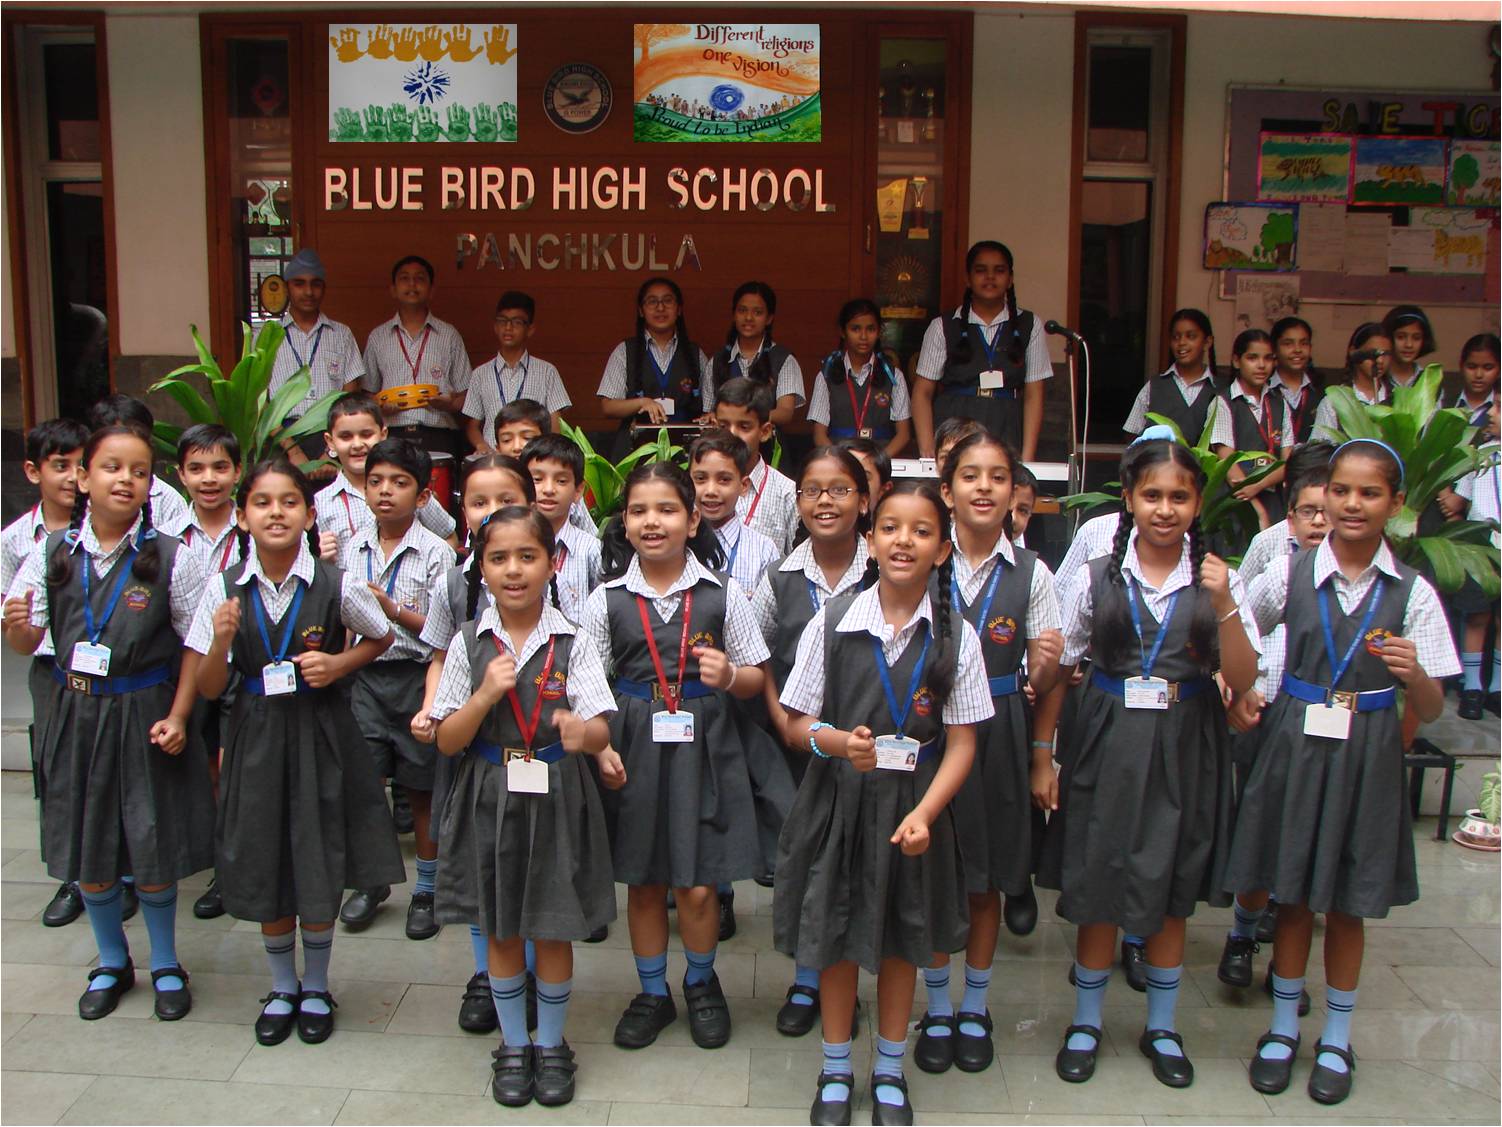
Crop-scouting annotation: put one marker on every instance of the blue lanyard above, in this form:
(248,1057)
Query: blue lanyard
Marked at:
(900,718)
(989,345)
(95,631)
(1338,669)
(985,606)
(813,593)
(500,388)
(280,653)
(663,383)
(730,560)
(317,340)
(395,571)
(1150,660)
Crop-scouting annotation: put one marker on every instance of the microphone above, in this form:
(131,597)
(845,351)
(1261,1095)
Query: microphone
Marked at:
(1365,354)
(1058,330)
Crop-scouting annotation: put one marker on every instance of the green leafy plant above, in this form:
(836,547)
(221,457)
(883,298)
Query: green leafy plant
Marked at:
(604,479)
(242,401)
(1489,800)
(1435,445)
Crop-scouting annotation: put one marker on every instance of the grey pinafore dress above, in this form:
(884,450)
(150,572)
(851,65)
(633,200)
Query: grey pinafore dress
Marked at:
(302,813)
(1145,797)
(1326,822)
(844,892)
(534,865)
(115,803)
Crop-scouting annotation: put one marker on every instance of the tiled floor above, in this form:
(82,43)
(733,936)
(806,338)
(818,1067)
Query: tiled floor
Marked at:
(1427,1027)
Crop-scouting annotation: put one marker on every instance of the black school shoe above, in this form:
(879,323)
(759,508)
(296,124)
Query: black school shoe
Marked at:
(599,935)
(1267,926)
(708,1013)
(646,1017)
(931,1053)
(421,923)
(209,906)
(65,906)
(1174,1071)
(512,1082)
(727,916)
(553,1071)
(1269,1075)
(273,1029)
(1236,961)
(900,1115)
(973,1054)
(1077,1065)
(95,1004)
(1134,962)
(1267,988)
(1326,1086)
(477,1010)
(832,1113)
(130,903)
(171,1005)
(1472,704)
(314,1028)
(795,1019)
(360,909)
(1021,912)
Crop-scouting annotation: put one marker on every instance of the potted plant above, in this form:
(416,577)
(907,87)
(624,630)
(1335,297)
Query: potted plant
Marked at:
(604,479)
(1479,829)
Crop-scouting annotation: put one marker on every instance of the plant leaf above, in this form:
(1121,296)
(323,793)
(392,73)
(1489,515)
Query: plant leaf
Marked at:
(188,399)
(205,357)
(164,436)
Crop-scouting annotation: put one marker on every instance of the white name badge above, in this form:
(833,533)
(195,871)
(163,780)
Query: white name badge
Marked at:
(279,678)
(896,753)
(93,661)
(1146,692)
(1330,721)
(526,776)
(992,380)
(668,406)
(673,727)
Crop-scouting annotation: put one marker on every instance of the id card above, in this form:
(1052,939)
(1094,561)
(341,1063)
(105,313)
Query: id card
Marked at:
(279,678)
(1146,692)
(1330,721)
(896,753)
(992,380)
(526,776)
(668,406)
(673,727)
(93,661)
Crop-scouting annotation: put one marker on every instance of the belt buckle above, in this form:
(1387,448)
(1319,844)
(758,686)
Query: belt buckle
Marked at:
(80,683)
(985,392)
(657,693)
(1172,692)
(1343,698)
(510,753)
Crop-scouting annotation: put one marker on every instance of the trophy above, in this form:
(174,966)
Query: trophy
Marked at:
(930,123)
(907,86)
(918,229)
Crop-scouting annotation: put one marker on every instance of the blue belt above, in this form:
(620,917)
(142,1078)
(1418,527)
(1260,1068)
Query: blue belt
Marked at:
(256,687)
(1370,701)
(928,751)
(111,686)
(854,432)
(979,392)
(1004,686)
(1178,691)
(495,753)
(691,689)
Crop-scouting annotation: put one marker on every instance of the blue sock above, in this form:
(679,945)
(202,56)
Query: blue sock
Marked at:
(1470,672)
(973,1001)
(159,909)
(529,952)
(1089,998)
(1286,994)
(427,873)
(806,977)
(552,1009)
(700,967)
(1496,682)
(1134,940)
(281,953)
(104,910)
(836,1063)
(317,950)
(1162,1000)
(889,1056)
(1246,920)
(510,998)
(1337,1031)
(653,972)
(480,942)
(936,980)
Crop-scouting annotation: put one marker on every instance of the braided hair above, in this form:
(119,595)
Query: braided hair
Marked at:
(943,657)
(147,563)
(282,465)
(1013,343)
(972,441)
(508,514)
(1113,639)
(616,552)
(847,464)
(834,364)
(761,368)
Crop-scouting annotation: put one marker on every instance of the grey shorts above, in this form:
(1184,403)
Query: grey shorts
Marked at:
(385,695)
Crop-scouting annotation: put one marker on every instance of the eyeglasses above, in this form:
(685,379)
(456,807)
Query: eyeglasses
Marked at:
(1309,513)
(512,322)
(812,493)
(656,302)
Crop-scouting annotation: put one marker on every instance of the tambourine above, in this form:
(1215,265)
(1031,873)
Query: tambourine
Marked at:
(407,397)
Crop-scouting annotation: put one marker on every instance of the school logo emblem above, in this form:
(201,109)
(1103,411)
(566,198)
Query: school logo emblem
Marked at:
(923,701)
(702,638)
(1374,638)
(312,638)
(137,598)
(556,686)
(882,399)
(1002,629)
(334,366)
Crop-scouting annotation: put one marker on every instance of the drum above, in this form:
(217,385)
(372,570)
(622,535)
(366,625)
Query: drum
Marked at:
(441,482)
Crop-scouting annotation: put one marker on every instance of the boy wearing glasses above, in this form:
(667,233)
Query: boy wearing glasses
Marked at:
(512,374)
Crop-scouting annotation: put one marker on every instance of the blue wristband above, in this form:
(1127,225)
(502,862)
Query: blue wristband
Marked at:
(813,744)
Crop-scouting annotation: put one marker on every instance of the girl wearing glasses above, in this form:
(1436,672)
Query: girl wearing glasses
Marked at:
(657,372)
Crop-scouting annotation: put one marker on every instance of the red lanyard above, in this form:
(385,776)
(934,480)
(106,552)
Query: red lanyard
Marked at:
(348,514)
(1263,414)
(229,542)
(422,347)
(766,473)
(562,558)
(860,412)
(1296,414)
(40,533)
(669,692)
(528,729)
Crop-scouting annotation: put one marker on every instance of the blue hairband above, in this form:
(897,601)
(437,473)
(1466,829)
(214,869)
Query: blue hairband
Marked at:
(1402,473)
(1414,316)
(1155,433)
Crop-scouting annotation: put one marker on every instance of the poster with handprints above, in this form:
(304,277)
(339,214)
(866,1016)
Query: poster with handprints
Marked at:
(1311,167)
(1399,171)
(1250,236)
(726,82)
(422,82)
(1475,174)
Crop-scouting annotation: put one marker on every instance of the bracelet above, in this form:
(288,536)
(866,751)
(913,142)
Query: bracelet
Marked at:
(813,744)
(1230,614)
(1043,743)
(734,669)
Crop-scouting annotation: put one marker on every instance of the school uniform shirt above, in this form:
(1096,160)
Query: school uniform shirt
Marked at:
(17,543)
(216,553)
(748,553)
(1078,609)
(1475,416)
(1267,546)
(1262,411)
(970,700)
(342,509)
(1092,541)
(801,559)
(1274,645)
(1042,602)
(407,575)
(167,504)
(818,404)
(588,689)
(357,603)
(613,380)
(744,644)
(1424,621)
(934,353)
(1481,489)
(496,383)
(578,516)
(577,565)
(1221,431)
(1327,422)
(789,377)
(1294,399)
(770,505)
(330,353)
(439,628)
(436,355)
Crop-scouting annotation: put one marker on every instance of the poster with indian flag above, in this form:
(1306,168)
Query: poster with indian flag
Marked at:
(726,82)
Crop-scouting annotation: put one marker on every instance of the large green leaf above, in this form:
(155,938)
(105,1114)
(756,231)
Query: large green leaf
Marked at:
(1354,416)
(263,359)
(211,372)
(165,436)
(315,420)
(1446,559)
(283,400)
(205,357)
(189,400)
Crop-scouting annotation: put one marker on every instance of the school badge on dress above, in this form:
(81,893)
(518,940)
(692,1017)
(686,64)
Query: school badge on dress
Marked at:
(137,598)
(1002,629)
(312,637)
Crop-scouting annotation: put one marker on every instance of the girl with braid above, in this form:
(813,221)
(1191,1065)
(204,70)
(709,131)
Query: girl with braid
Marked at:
(301,815)
(885,693)
(1141,813)
(858,393)
(121,795)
